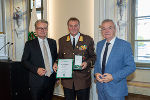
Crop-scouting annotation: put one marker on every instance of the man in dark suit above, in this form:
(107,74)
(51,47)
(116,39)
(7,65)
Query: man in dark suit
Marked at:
(76,43)
(114,63)
(38,57)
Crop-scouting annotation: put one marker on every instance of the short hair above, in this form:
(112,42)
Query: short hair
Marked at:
(42,21)
(73,19)
(108,20)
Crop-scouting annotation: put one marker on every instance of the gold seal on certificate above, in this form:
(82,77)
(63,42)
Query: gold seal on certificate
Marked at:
(78,62)
(64,68)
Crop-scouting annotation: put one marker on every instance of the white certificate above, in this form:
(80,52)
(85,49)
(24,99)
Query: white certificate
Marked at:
(78,60)
(64,68)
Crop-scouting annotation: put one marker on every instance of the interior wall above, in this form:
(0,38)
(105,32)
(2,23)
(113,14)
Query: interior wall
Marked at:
(138,82)
(59,11)
(91,13)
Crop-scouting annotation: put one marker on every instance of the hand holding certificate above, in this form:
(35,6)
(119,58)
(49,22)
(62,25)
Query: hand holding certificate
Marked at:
(64,68)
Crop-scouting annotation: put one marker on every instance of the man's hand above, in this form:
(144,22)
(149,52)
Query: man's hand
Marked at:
(84,65)
(99,77)
(107,77)
(55,67)
(104,78)
(41,71)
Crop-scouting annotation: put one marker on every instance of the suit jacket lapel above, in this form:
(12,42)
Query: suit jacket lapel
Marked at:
(50,45)
(68,43)
(51,49)
(39,50)
(79,41)
(100,51)
(112,51)
(38,46)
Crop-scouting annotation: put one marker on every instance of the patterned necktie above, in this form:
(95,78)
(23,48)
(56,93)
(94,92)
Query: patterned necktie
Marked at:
(73,43)
(104,58)
(46,60)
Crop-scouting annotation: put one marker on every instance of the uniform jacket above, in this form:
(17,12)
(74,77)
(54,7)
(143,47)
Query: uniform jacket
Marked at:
(120,64)
(85,48)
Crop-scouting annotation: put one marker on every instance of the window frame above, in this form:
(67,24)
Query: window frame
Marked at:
(133,33)
(37,9)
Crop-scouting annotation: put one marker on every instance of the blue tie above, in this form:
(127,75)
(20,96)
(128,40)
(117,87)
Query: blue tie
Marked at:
(104,58)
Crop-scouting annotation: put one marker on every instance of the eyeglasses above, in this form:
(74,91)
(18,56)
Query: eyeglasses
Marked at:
(104,29)
(73,26)
(40,28)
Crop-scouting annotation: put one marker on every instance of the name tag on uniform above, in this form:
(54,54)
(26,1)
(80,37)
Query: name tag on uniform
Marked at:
(78,62)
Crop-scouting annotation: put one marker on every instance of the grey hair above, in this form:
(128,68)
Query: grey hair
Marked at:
(109,20)
(42,21)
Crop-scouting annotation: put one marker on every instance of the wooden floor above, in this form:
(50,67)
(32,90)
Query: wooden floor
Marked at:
(129,97)
(58,98)
(137,97)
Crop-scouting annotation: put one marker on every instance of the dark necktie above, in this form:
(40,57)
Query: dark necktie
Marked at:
(73,43)
(104,58)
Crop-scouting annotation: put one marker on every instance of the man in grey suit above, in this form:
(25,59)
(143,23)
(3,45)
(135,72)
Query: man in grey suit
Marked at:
(114,63)
(38,57)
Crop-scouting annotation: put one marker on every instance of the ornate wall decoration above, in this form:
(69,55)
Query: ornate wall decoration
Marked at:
(121,17)
(18,21)
(19,27)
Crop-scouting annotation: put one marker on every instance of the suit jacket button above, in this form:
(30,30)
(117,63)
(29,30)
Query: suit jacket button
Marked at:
(64,53)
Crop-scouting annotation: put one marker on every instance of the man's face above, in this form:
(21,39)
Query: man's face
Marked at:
(73,27)
(108,30)
(41,30)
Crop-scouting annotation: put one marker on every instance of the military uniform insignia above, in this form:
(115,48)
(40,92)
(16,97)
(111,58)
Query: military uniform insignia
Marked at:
(68,38)
(83,47)
(81,38)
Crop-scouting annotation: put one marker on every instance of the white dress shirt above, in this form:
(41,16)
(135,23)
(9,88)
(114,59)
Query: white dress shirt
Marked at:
(76,38)
(48,51)
(109,49)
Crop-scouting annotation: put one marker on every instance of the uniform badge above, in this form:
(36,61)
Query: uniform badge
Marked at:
(83,47)
(68,38)
(81,38)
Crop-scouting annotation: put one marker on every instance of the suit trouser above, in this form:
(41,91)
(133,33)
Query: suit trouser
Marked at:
(46,91)
(102,95)
(71,94)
